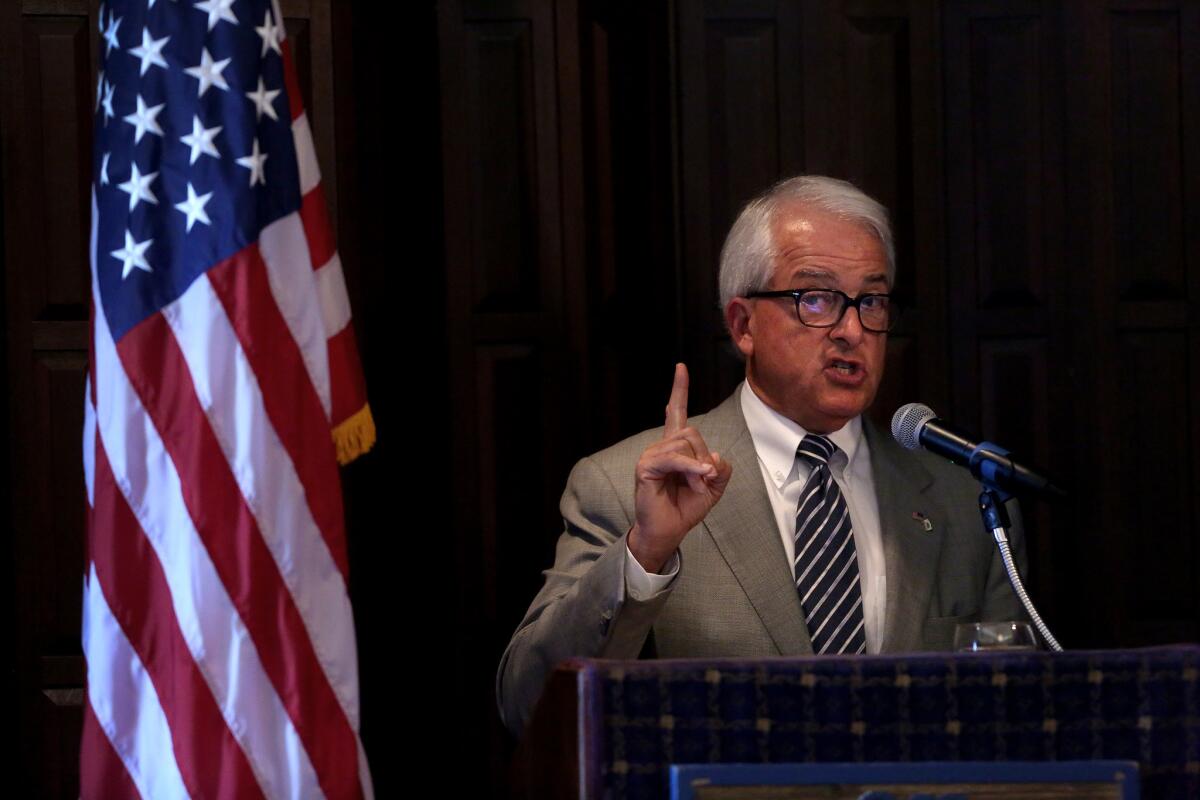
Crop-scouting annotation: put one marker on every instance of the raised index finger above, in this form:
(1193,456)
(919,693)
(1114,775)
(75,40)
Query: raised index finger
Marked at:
(677,404)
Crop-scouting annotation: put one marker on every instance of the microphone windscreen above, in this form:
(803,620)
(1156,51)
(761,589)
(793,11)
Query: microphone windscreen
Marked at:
(907,423)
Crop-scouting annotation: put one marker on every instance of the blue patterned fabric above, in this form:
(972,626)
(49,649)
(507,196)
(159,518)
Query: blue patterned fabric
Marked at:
(1139,705)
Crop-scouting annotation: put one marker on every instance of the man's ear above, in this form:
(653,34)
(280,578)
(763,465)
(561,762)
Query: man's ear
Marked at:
(737,320)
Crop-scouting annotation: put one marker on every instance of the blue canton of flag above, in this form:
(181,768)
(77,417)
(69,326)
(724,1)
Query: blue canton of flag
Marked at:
(194,152)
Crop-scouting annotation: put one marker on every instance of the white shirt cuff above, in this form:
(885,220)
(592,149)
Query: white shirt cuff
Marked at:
(642,585)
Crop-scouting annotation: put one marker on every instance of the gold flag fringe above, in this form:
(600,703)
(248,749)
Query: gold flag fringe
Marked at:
(355,435)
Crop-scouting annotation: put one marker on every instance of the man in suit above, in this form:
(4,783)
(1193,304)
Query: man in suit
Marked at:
(781,522)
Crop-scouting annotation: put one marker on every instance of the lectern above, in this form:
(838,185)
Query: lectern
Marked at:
(613,729)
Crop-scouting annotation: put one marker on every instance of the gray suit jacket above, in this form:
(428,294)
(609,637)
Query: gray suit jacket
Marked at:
(734,595)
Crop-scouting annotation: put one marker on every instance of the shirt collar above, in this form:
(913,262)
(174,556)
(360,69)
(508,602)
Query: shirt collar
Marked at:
(776,438)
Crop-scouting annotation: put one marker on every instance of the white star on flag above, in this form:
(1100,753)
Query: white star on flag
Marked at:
(150,51)
(270,35)
(264,100)
(132,255)
(193,207)
(208,72)
(104,169)
(110,35)
(201,140)
(99,88)
(217,10)
(144,119)
(138,187)
(108,101)
(254,163)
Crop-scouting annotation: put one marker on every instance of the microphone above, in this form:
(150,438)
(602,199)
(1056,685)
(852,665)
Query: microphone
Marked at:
(916,425)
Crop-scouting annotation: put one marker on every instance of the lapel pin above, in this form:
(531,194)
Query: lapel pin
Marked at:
(925,521)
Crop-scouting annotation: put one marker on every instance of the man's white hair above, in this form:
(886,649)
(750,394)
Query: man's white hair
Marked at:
(748,255)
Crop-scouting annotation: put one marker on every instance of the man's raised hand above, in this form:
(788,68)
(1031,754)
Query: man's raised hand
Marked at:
(677,482)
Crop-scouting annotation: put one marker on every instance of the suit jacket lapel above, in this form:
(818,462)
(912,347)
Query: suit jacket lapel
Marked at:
(910,551)
(746,534)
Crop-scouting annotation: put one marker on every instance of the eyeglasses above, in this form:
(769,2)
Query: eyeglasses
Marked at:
(824,308)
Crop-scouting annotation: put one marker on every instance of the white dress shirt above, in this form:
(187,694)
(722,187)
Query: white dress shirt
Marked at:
(775,440)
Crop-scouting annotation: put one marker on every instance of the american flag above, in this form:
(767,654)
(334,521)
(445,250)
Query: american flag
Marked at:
(224,388)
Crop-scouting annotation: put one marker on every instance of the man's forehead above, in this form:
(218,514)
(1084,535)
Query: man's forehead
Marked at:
(814,244)
(799,218)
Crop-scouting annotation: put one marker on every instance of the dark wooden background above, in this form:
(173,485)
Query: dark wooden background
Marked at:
(530,199)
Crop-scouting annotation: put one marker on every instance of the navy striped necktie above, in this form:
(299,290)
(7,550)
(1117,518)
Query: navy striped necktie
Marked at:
(826,563)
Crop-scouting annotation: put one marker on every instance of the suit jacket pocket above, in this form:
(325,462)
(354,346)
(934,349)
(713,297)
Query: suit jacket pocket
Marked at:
(939,631)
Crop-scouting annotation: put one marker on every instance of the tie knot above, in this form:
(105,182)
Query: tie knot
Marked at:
(816,450)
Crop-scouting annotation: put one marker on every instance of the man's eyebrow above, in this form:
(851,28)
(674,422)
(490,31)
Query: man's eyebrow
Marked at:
(812,272)
(815,273)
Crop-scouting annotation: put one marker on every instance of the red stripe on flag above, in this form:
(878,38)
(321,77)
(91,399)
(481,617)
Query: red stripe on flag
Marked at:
(159,373)
(292,81)
(210,760)
(314,217)
(90,512)
(345,373)
(291,402)
(102,774)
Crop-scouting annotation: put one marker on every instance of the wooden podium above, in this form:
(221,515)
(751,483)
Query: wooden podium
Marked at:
(613,729)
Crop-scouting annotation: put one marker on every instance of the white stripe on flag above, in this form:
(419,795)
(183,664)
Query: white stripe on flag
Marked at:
(279,19)
(124,701)
(284,250)
(364,774)
(215,634)
(306,154)
(232,400)
(335,303)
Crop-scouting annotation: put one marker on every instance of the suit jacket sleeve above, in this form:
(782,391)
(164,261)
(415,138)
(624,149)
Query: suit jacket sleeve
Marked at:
(582,609)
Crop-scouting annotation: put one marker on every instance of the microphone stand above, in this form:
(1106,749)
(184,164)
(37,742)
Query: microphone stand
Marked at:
(996,522)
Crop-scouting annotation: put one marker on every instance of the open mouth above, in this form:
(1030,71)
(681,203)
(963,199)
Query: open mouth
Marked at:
(846,373)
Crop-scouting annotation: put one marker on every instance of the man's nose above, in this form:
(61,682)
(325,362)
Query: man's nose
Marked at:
(849,328)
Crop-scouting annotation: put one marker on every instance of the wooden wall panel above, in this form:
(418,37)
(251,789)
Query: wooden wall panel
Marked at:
(60,95)
(503,224)
(900,385)
(47,172)
(1138,123)
(741,79)
(1004,190)
(878,125)
(872,119)
(511,249)
(1017,387)
(1147,182)
(1008,133)
(878,137)
(514,444)
(740,58)
(629,262)
(1155,522)
(1011,316)
(502,153)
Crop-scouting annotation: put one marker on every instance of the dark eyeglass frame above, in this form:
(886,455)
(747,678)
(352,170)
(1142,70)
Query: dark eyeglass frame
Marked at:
(847,302)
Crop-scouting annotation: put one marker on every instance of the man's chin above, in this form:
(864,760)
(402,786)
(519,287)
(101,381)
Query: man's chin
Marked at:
(840,410)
